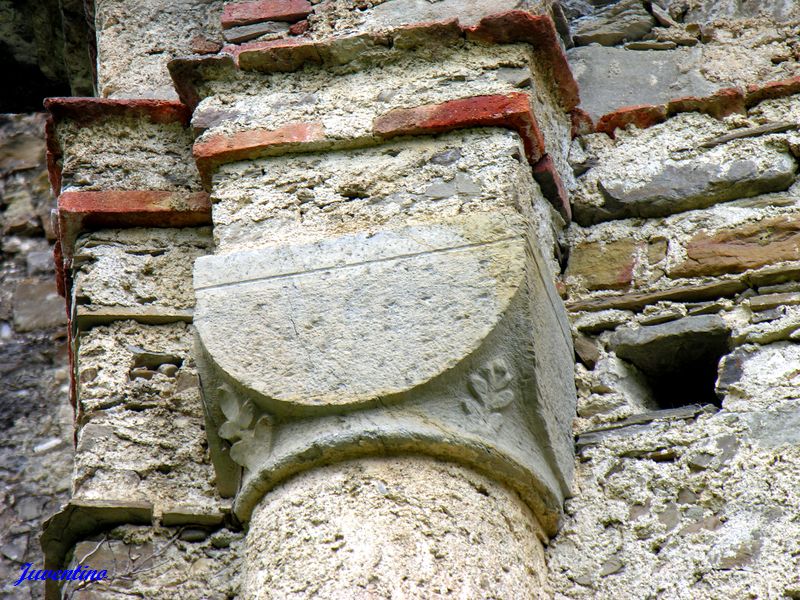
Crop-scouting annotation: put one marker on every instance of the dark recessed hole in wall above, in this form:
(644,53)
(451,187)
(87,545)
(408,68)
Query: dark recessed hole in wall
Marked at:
(679,359)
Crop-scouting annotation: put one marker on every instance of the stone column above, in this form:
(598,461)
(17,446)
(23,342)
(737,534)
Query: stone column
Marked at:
(405,527)
(381,299)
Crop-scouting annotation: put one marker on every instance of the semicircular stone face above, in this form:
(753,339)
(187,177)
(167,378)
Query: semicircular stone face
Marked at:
(350,319)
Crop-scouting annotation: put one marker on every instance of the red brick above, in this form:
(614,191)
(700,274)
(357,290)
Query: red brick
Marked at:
(245,13)
(644,115)
(61,273)
(549,180)
(53,155)
(284,55)
(512,111)
(200,44)
(85,111)
(299,28)
(538,30)
(83,211)
(720,104)
(291,54)
(772,89)
(80,211)
(245,145)
(186,72)
(582,123)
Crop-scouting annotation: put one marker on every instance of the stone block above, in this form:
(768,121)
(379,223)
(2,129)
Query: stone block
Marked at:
(622,21)
(245,33)
(611,78)
(138,267)
(679,293)
(673,348)
(604,265)
(746,246)
(37,305)
(245,13)
(681,185)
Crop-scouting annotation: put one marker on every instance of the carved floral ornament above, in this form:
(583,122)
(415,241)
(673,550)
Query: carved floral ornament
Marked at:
(247,429)
(490,387)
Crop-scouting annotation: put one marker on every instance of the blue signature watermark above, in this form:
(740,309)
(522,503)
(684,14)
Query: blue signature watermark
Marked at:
(80,573)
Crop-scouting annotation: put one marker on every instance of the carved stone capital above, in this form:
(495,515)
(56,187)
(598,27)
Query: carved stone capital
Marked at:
(443,339)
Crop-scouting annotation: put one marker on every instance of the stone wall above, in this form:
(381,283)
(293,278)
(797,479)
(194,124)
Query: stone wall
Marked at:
(35,415)
(681,283)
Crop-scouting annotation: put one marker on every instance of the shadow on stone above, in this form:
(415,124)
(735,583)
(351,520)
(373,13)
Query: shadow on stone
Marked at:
(679,359)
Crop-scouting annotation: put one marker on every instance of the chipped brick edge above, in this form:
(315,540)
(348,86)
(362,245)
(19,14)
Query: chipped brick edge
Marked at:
(223,148)
(86,111)
(723,102)
(235,14)
(291,54)
(512,111)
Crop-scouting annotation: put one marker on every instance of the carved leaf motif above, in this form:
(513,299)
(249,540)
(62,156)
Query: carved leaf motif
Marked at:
(490,384)
(254,441)
(229,431)
(249,438)
(228,402)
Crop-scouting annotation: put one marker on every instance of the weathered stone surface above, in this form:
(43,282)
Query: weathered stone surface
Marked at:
(712,10)
(775,429)
(159,563)
(362,275)
(135,43)
(101,144)
(747,246)
(760,378)
(245,33)
(37,305)
(610,78)
(141,439)
(631,484)
(354,514)
(138,267)
(657,349)
(604,265)
(685,185)
(407,12)
(622,21)
(705,291)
